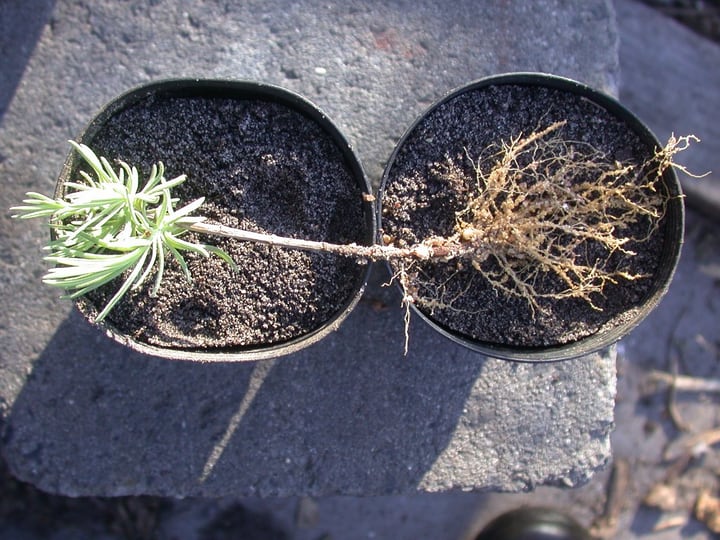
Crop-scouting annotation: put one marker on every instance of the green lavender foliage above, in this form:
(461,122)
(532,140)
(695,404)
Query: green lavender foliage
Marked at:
(106,227)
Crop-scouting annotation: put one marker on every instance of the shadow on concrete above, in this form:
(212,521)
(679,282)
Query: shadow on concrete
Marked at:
(646,520)
(349,415)
(240,522)
(21,24)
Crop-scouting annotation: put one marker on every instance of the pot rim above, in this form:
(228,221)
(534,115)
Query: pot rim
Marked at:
(247,90)
(674,225)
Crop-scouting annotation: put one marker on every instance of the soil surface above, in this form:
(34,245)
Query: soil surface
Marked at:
(419,202)
(263,167)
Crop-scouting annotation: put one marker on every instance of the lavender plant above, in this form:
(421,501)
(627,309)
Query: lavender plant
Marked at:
(107,226)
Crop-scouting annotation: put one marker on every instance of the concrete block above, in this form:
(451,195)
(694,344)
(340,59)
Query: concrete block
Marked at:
(351,415)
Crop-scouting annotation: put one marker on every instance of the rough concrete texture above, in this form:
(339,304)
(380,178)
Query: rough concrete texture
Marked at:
(351,415)
(673,87)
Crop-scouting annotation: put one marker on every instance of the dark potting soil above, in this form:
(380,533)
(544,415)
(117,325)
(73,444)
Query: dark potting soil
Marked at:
(417,204)
(263,167)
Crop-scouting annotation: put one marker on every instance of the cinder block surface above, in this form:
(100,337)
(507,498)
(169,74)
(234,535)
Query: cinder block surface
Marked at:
(351,415)
(670,80)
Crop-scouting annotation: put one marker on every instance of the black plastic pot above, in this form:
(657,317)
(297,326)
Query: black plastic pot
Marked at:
(241,91)
(672,224)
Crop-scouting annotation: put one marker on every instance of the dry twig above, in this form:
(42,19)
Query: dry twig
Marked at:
(606,525)
(685,383)
(692,444)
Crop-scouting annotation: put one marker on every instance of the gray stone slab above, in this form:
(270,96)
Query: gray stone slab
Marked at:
(351,415)
(670,79)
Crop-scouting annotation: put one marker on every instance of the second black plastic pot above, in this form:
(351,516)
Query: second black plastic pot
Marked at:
(499,109)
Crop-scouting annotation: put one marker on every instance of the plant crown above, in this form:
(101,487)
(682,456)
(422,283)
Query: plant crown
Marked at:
(106,225)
